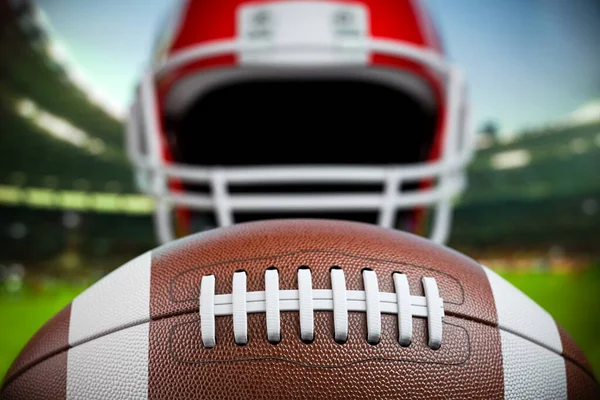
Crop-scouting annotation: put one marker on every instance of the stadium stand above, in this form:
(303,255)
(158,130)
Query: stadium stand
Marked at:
(534,193)
(66,184)
(61,153)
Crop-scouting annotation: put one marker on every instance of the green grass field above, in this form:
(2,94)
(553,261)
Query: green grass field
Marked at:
(572,298)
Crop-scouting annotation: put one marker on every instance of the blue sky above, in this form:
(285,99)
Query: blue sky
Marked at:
(528,62)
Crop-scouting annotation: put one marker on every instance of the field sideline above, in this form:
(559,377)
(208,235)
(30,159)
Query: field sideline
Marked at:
(572,298)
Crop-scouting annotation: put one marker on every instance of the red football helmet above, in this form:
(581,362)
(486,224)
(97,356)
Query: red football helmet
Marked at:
(300,107)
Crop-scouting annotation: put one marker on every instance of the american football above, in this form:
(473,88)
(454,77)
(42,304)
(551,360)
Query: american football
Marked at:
(299,199)
(301,309)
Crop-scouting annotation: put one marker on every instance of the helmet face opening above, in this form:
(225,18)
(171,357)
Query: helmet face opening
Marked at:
(302,122)
(286,122)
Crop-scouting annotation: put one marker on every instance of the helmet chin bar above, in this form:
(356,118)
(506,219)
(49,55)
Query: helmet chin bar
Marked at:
(447,172)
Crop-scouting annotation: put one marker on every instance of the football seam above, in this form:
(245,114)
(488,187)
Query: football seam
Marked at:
(545,346)
(173,281)
(177,359)
(21,371)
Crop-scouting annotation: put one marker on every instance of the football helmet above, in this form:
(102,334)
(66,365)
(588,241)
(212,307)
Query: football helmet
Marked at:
(259,109)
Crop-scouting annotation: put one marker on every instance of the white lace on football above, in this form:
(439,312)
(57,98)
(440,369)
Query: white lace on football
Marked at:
(373,306)
(434,316)
(404,314)
(340,304)
(305,304)
(306,300)
(240,313)
(207,310)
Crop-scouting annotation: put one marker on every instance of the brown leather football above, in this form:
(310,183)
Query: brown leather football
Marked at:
(301,309)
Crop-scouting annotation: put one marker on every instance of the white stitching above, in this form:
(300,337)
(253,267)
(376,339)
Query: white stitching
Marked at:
(306,300)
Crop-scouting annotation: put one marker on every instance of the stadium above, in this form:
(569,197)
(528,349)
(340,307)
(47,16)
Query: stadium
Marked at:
(70,211)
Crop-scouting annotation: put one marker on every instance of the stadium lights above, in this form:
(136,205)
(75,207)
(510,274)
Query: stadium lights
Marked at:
(511,159)
(589,113)
(71,220)
(40,197)
(57,52)
(74,200)
(10,195)
(589,207)
(578,145)
(59,127)
(107,202)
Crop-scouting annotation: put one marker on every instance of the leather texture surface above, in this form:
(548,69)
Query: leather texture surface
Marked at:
(118,301)
(44,380)
(580,385)
(531,371)
(165,358)
(469,368)
(52,338)
(113,366)
(519,314)
(573,352)
(470,350)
